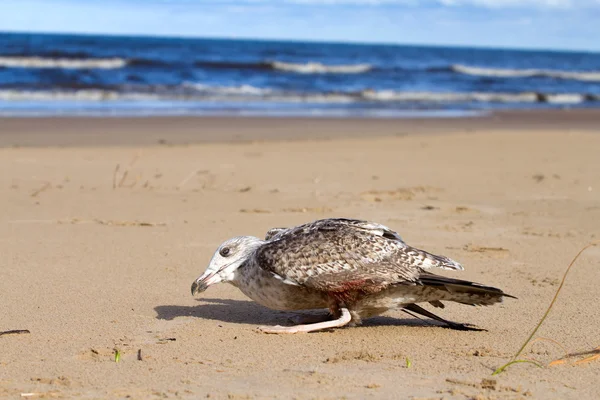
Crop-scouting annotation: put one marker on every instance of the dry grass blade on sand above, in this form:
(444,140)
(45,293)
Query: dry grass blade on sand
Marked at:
(595,355)
(514,360)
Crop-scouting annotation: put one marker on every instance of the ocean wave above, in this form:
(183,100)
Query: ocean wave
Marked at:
(227,90)
(566,98)
(318,68)
(199,92)
(233,65)
(456,97)
(65,63)
(50,53)
(587,76)
(593,97)
(231,94)
(187,92)
(73,95)
(305,68)
(147,62)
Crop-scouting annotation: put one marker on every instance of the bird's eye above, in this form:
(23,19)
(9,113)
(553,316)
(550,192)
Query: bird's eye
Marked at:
(225,251)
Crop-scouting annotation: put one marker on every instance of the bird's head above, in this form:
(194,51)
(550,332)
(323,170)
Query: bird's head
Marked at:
(227,259)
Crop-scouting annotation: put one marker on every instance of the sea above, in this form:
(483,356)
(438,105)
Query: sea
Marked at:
(73,75)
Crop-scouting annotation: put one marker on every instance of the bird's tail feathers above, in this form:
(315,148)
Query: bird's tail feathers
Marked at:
(464,292)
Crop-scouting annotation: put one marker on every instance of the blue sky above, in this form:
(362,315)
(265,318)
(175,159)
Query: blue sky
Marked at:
(557,24)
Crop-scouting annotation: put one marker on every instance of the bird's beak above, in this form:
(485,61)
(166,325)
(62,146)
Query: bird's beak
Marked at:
(204,281)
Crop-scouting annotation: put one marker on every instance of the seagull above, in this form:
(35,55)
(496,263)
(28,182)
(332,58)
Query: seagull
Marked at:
(356,269)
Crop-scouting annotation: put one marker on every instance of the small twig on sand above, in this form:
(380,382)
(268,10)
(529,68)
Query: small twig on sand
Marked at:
(127,223)
(115,176)
(121,182)
(44,395)
(592,355)
(135,158)
(123,177)
(590,358)
(46,186)
(15,332)
(135,181)
(187,178)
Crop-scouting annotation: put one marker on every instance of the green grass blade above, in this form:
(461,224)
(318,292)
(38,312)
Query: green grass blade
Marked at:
(562,282)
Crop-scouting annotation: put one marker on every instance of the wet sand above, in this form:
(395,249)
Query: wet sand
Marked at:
(89,131)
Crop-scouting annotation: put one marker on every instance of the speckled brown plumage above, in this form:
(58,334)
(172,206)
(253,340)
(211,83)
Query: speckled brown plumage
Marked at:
(337,255)
(346,264)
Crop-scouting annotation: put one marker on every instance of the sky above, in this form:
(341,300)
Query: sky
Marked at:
(543,24)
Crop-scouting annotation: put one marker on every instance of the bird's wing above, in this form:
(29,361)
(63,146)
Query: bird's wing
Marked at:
(274,232)
(371,227)
(338,255)
(334,223)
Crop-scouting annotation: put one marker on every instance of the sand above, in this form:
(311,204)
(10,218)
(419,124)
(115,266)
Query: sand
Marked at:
(96,258)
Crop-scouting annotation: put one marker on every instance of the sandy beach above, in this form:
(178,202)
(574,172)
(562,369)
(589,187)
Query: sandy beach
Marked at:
(105,223)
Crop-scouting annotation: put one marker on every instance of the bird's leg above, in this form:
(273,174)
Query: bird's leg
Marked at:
(452,325)
(309,318)
(342,320)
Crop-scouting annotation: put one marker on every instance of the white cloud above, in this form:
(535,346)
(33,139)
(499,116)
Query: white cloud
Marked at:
(354,2)
(491,4)
(509,3)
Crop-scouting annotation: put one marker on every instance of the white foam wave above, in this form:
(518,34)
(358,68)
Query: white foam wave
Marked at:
(588,76)
(65,63)
(74,95)
(432,97)
(318,68)
(564,98)
(228,90)
(248,92)
(252,94)
(322,98)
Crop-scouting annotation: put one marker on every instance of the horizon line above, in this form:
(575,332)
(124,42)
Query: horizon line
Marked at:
(299,40)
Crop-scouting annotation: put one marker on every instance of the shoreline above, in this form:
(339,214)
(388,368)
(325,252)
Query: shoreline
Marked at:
(148,131)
